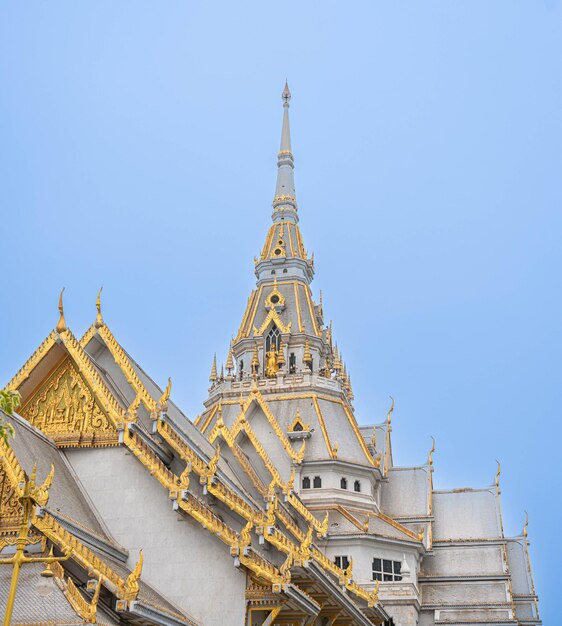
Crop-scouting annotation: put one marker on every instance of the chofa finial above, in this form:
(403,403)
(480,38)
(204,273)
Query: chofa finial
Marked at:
(390,410)
(61,326)
(526,524)
(286,95)
(430,457)
(498,476)
(99,318)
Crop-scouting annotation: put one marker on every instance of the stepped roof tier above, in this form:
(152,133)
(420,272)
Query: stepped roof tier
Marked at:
(273,507)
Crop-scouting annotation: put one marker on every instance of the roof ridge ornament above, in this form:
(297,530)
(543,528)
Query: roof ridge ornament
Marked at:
(61,325)
(430,456)
(99,318)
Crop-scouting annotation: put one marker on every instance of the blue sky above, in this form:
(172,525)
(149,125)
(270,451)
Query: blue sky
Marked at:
(138,152)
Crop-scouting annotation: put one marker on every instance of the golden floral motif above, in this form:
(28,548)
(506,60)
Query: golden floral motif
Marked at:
(65,409)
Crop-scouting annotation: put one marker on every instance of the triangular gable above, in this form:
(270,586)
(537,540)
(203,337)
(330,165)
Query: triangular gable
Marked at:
(124,363)
(64,396)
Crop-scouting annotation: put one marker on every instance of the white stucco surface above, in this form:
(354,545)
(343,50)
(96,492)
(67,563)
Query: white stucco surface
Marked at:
(187,564)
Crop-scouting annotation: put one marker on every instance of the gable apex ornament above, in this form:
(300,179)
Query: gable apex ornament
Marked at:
(61,325)
(99,318)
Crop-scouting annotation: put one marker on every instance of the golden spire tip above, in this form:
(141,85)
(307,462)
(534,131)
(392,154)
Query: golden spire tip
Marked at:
(61,326)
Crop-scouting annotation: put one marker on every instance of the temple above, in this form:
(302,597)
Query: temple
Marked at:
(276,505)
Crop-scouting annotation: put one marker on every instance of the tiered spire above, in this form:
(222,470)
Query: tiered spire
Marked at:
(285,202)
(213,376)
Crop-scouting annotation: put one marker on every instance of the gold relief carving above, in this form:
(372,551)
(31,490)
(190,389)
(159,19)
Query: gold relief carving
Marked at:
(10,505)
(65,409)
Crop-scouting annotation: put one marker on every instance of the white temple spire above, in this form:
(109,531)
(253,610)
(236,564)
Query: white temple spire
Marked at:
(284,202)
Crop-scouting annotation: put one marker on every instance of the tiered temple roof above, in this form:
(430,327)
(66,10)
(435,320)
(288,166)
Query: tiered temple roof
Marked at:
(273,507)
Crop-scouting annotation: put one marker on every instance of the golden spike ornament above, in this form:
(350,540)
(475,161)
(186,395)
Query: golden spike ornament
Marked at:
(280,354)
(307,356)
(99,318)
(61,325)
(213,374)
(229,361)
(430,457)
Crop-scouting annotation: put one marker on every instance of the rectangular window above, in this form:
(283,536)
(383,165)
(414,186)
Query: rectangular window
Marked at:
(342,561)
(386,570)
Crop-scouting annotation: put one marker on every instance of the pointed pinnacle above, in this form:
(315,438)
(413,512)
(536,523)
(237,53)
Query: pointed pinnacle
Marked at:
(286,95)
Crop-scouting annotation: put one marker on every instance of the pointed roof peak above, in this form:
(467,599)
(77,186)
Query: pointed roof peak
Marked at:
(284,202)
(286,95)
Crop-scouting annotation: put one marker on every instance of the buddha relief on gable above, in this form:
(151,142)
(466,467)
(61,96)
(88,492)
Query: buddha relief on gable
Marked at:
(65,409)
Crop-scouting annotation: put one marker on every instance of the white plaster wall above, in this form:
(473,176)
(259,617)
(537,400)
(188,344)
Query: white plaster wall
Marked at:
(183,561)
(363,551)
(464,592)
(464,561)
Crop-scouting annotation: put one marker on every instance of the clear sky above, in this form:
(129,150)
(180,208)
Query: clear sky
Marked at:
(138,152)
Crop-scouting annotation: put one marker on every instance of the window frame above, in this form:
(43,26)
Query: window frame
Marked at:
(341,558)
(393,569)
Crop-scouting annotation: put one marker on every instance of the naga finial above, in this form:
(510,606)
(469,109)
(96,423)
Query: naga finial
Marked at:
(61,325)
(245,538)
(390,411)
(163,401)
(214,461)
(498,476)
(99,318)
(374,595)
(430,457)
(290,485)
(132,583)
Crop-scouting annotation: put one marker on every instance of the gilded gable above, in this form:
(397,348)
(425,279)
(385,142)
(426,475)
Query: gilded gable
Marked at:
(10,504)
(65,409)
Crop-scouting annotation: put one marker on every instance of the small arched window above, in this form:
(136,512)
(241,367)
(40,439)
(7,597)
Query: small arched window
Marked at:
(306,482)
(357,486)
(317,483)
(343,483)
(272,339)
